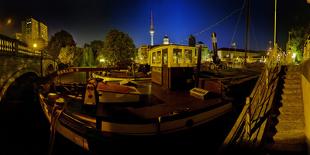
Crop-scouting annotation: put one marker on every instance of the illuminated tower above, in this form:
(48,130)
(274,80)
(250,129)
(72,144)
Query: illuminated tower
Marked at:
(152,31)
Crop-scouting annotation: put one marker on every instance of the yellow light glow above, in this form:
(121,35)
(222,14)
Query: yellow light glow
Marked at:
(102,60)
(9,21)
(35,45)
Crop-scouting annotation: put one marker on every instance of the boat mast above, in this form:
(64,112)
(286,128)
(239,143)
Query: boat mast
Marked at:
(247,30)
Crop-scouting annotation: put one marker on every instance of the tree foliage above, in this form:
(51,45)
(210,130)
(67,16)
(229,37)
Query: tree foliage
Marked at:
(299,35)
(97,46)
(71,56)
(87,58)
(59,40)
(119,49)
(66,55)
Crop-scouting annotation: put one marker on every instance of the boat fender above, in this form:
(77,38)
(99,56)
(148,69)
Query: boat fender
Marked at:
(90,93)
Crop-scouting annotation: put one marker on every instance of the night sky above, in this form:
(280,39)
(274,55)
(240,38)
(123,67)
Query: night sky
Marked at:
(89,20)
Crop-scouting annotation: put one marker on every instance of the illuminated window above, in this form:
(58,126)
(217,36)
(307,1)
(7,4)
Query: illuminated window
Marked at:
(177,56)
(188,56)
(158,57)
(153,57)
(165,56)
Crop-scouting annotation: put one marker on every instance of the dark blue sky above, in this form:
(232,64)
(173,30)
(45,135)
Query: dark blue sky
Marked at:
(89,20)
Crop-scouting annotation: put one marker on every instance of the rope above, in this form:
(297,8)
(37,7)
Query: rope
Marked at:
(254,34)
(237,24)
(215,24)
(54,117)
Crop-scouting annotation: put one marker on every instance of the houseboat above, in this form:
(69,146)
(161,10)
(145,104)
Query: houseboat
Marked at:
(89,112)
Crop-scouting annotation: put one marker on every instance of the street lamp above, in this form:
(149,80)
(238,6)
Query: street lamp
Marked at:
(5,27)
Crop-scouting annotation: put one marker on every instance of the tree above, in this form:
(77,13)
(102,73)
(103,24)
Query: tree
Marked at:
(66,55)
(191,41)
(59,40)
(87,58)
(299,35)
(71,56)
(118,48)
(97,46)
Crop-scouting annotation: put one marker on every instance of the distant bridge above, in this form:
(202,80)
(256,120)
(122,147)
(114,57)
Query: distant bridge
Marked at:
(16,59)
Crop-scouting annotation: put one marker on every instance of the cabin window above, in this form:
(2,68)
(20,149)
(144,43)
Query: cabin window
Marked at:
(158,57)
(165,56)
(188,56)
(177,56)
(153,57)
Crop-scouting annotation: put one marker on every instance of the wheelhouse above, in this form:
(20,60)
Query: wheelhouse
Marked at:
(173,65)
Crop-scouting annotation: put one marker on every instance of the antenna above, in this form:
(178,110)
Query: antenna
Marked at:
(152,30)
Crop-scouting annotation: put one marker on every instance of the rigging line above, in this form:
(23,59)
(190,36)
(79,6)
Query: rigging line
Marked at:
(217,23)
(237,24)
(254,34)
(220,21)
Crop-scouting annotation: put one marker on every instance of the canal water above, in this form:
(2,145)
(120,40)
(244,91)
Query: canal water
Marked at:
(24,130)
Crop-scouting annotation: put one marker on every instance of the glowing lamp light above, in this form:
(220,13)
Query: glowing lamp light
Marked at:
(35,45)
(9,21)
(102,60)
(294,55)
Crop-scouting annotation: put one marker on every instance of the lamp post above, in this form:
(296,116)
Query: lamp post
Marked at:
(275,26)
(41,63)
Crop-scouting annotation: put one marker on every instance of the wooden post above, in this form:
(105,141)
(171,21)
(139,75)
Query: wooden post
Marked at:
(267,78)
(248,118)
(198,65)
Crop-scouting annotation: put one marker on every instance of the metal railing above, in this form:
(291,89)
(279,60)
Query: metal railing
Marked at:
(249,129)
(10,46)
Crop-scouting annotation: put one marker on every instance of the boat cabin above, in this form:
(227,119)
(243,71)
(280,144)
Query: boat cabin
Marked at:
(173,65)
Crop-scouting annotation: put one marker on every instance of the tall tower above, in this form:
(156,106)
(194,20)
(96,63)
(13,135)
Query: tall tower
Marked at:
(152,31)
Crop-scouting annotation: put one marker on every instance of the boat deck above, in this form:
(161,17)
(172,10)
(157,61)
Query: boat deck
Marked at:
(154,102)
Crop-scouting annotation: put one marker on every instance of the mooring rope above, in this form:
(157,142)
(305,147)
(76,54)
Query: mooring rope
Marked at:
(56,112)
